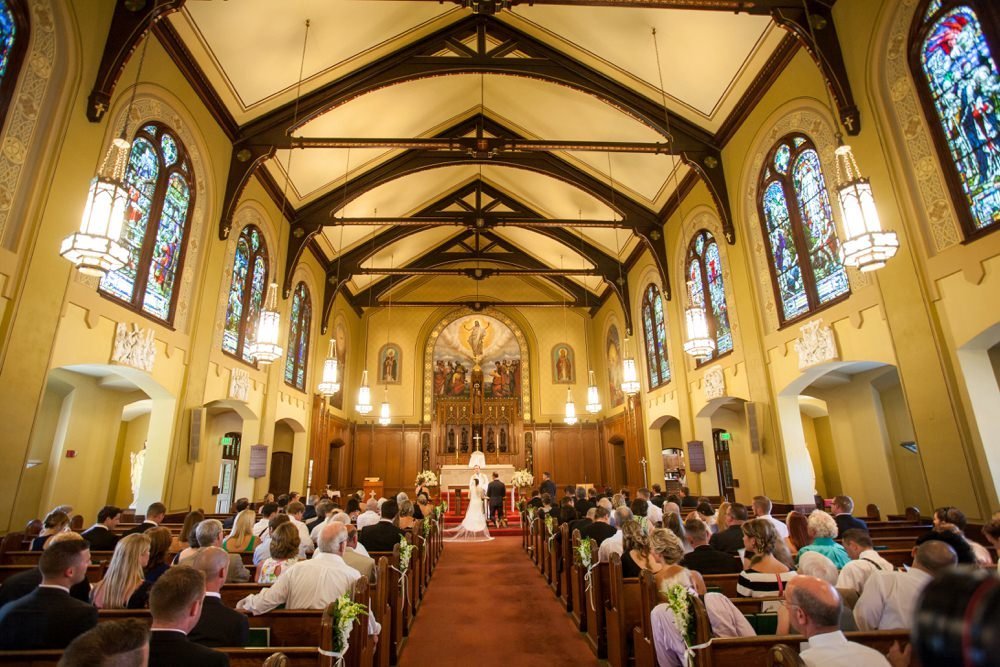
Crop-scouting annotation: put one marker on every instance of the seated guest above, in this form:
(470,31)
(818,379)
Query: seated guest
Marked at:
(218,625)
(424,505)
(154,517)
(657,497)
(110,644)
(814,609)
(383,535)
(55,522)
(823,532)
(730,540)
(241,539)
(267,510)
(618,500)
(613,544)
(359,561)
(546,508)
(841,509)
(159,553)
(263,550)
(953,519)
(864,561)
(964,553)
(956,621)
(176,603)
(665,554)
(705,512)
(582,502)
(991,531)
(798,531)
(48,617)
(282,500)
(102,534)
(817,565)
(674,525)
(295,510)
(124,585)
(400,497)
(639,508)
(185,539)
(284,552)
(720,516)
(369,517)
(209,534)
(687,501)
(323,508)
(766,575)
(536,499)
(703,557)
(406,518)
(353,508)
(268,498)
(890,598)
(310,511)
(635,549)
(241,505)
(762,510)
(601,528)
(18,585)
(582,522)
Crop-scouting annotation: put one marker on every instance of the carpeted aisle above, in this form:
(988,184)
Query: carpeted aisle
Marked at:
(487,605)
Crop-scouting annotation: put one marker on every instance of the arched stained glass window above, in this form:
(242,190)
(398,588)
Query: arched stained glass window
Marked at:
(14,27)
(799,229)
(953,57)
(655,328)
(704,273)
(298,338)
(246,293)
(155,229)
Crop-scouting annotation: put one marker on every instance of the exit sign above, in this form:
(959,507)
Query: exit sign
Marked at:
(226,441)
(725,436)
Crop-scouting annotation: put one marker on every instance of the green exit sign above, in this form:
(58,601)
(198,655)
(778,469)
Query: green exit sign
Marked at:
(226,441)
(725,436)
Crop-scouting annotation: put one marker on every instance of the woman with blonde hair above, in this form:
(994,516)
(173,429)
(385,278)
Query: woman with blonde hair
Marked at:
(284,543)
(720,516)
(242,539)
(124,585)
(766,575)
(665,554)
(55,522)
(635,549)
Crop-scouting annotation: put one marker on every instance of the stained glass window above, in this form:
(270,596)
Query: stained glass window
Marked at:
(298,338)
(704,273)
(246,293)
(959,79)
(160,204)
(655,328)
(799,229)
(13,45)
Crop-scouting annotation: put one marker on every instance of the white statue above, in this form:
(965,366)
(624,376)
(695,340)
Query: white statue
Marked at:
(138,460)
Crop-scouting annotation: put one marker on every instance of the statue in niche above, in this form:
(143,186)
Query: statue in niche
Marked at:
(138,460)
(491,445)
(503,440)
(451,441)
(465,440)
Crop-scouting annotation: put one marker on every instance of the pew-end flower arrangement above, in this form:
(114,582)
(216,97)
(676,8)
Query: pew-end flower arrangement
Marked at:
(405,553)
(343,613)
(583,553)
(426,478)
(550,526)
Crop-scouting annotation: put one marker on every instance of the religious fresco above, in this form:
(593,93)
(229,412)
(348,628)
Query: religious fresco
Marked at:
(472,340)
(613,356)
(340,335)
(389,359)
(563,364)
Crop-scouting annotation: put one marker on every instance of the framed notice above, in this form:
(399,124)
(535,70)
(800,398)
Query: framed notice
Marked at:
(258,461)
(696,456)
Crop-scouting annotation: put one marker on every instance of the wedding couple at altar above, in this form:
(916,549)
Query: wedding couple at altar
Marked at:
(486,501)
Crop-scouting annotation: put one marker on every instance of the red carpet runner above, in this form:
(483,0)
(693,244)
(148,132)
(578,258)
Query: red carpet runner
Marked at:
(488,606)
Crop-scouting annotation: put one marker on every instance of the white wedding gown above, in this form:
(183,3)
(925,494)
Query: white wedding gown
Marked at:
(473,527)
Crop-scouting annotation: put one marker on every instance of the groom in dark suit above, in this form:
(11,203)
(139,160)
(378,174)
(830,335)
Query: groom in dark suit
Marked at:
(496,492)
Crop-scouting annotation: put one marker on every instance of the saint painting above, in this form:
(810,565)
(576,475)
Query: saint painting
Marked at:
(563,364)
(389,358)
(613,350)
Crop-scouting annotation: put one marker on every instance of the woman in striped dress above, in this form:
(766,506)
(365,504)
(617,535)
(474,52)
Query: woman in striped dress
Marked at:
(768,573)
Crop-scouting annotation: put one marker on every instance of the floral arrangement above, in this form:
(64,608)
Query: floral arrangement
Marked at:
(426,478)
(679,602)
(583,553)
(522,505)
(550,524)
(405,553)
(441,508)
(344,612)
(522,477)
(427,528)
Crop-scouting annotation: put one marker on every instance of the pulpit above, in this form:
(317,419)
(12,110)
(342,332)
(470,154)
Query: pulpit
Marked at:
(373,484)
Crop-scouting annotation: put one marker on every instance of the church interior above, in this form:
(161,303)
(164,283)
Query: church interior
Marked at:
(723,248)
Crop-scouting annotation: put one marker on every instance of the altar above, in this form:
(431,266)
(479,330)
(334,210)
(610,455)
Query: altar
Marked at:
(454,481)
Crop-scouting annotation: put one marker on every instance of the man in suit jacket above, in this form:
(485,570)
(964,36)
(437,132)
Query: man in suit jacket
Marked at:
(219,625)
(704,558)
(496,493)
(601,529)
(360,562)
(842,508)
(658,498)
(582,523)
(383,535)
(102,534)
(176,603)
(582,503)
(154,517)
(730,540)
(547,486)
(48,618)
(687,500)
(23,583)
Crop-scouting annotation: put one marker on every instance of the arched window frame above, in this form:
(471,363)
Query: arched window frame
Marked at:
(771,175)
(22,36)
(249,306)
(653,325)
(710,306)
(300,321)
(925,17)
(153,132)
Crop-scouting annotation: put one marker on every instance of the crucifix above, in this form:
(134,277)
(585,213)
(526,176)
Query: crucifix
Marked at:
(645,482)
(477,438)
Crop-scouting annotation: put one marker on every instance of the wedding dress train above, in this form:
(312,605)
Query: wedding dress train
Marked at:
(473,527)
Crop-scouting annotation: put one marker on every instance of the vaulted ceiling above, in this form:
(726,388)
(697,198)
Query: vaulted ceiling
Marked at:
(548,151)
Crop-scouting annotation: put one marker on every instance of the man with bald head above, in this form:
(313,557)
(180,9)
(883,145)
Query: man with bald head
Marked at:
(814,609)
(219,625)
(890,598)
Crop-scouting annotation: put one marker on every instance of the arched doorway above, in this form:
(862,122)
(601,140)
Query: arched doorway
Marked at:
(619,465)
(280,474)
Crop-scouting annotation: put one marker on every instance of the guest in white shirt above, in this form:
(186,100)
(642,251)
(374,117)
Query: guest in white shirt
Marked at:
(295,510)
(267,511)
(814,609)
(614,543)
(370,516)
(762,510)
(654,514)
(865,561)
(889,598)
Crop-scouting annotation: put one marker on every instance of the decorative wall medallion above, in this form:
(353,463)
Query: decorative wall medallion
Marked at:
(134,346)
(714,383)
(239,384)
(816,344)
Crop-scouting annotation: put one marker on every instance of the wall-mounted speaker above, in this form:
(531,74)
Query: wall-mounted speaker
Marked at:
(197,434)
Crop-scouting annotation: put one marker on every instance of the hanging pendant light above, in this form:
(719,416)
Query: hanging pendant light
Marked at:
(630,374)
(384,413)
(570,417)
(593,398)
(699,343)
(330,383)
(867,247)
(364,404)
(266,347)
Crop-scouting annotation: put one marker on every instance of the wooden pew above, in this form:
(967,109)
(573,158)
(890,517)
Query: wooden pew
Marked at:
(380,605)
(238,657)
(755,651)
(596,600)
(642,634)
(577,586)
(393,632)
(288,627)
(565,561)
(726,583)
(22,557)
(623,610)
(552,559)
(94,572)
(233,593)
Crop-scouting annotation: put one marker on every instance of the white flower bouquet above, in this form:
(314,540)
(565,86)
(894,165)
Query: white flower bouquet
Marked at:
(427,478)
(522,478)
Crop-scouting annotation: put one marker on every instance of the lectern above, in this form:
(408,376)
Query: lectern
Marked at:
(373,484)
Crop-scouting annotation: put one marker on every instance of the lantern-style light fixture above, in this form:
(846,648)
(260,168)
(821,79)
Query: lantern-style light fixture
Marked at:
(330,382)
(570,417)
(699,343)
(266,347)
(867,247)
(385,413)
(364,404)
(630,374)
(593,398)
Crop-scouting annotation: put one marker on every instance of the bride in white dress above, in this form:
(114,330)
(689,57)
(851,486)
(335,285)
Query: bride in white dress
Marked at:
(473,527)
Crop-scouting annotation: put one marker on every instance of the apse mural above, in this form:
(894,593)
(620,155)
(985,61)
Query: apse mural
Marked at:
(613,355)
(472,339)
